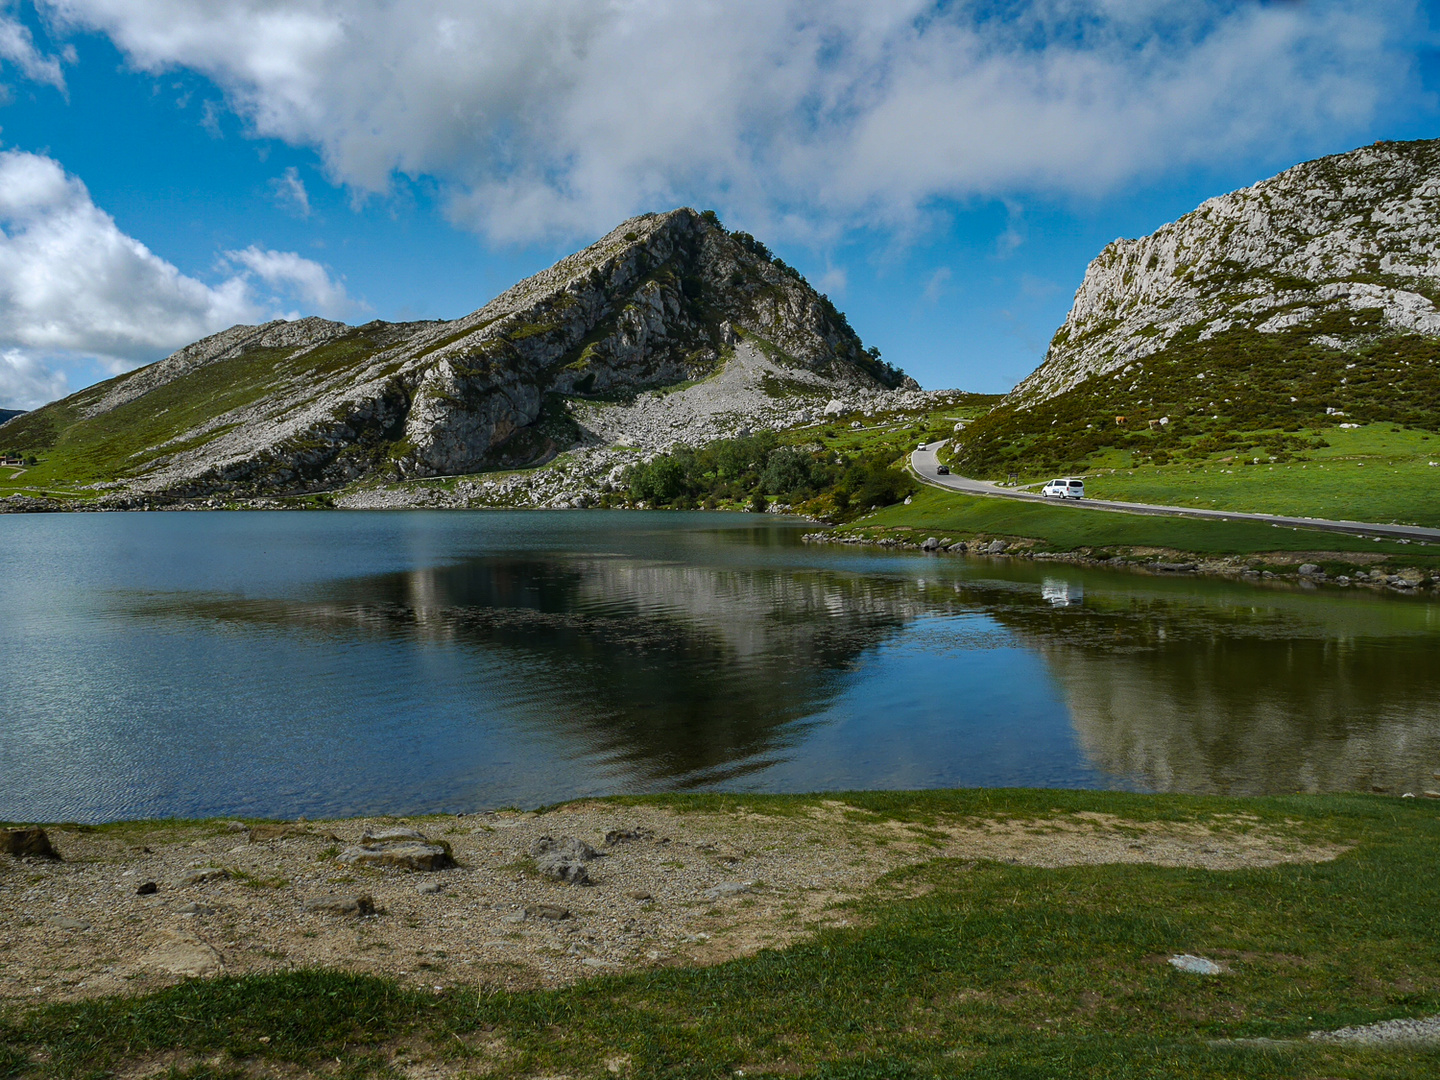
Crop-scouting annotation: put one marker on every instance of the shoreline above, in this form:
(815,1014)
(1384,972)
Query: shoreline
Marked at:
(1165,562)
(864,935)
(642,883)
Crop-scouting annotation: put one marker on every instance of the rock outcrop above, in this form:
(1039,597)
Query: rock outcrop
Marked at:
(1341,236)
(1305,301)
(312,405)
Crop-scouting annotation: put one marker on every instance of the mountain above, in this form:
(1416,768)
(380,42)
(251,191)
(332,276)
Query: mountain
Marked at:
(311,405)
(10,414)
(1300,299)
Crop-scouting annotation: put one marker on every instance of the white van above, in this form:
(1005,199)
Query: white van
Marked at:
(1064,488)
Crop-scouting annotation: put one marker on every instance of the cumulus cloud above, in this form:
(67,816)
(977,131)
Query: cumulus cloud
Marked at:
(27,381)
(288,273)
(17,45)
(75,289)
(559,116)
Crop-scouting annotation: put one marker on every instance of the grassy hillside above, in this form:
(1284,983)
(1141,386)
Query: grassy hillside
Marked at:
(1377,473)
(74,449)
(1238,396)
(953,968)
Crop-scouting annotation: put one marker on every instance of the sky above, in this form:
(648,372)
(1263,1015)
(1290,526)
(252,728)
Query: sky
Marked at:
(943,171)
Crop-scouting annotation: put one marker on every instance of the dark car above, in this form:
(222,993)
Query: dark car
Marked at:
(943,470)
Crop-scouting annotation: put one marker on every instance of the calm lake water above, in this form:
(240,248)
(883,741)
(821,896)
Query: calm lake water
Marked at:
(280,664)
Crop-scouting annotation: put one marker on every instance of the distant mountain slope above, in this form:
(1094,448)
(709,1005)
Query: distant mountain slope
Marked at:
(1304,297)
(309,405)
(10,414)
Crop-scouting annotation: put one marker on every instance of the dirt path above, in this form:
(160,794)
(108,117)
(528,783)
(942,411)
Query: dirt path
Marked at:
(671,888)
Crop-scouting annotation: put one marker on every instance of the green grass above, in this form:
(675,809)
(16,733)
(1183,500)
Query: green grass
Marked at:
(74,449)
(1240,392)
(998,971)
(1376,473)
(1070,528)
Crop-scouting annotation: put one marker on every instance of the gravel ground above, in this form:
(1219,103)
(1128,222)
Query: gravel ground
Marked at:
(673,889)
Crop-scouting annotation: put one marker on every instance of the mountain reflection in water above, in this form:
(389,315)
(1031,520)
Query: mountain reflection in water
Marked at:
(367,663)
(683,673)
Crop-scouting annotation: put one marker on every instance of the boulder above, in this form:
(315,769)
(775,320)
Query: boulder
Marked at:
(1309,569)
(932,544)
(995,547)
(183,954)
(33,843)
(390,836)
(562,867)
(563,859)
(567,846)
(834,407)
(358,905)
(401,855)
(205,873)
(726,888)
(1195,965)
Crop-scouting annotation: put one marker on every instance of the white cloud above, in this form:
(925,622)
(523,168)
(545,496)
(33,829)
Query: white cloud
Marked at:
(559,116)
(290,192)
(27,381)
(289,274)
(70,279)
(75,290)
(17,45)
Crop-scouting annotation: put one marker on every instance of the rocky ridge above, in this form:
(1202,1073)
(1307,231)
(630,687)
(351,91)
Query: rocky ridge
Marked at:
(1318,246)
(663,300)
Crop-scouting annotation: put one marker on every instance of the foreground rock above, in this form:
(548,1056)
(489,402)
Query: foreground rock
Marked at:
(563,859)
(402,849)
(27,843)
(176,953)
(358,905)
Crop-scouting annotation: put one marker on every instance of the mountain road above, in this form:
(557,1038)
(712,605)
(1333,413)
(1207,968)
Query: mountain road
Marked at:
(923,463)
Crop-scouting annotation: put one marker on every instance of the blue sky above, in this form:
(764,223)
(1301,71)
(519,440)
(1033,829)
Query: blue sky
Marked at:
(944,171)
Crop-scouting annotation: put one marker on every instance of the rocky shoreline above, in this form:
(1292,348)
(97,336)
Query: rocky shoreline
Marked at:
(1304,569)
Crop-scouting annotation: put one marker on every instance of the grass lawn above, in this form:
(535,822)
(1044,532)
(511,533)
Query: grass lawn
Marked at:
(950,968)
(1067,528)
(1377,473)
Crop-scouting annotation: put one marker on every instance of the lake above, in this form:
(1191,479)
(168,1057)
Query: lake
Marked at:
(345,663)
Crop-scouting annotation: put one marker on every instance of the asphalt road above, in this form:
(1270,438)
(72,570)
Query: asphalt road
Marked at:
(923,463)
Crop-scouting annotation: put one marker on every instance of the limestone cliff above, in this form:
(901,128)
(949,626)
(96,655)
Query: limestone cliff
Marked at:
(1346,235)
(1304,301)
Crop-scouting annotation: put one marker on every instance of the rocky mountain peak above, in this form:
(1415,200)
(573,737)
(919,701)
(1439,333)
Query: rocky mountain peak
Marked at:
(662,299)
(1332,244)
